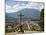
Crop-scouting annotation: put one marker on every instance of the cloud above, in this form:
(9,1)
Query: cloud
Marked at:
(7,6)
(16,6)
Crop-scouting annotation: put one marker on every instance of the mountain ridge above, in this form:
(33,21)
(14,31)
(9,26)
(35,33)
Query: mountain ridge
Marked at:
(26,12)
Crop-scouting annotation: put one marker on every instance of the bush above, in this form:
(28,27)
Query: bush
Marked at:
(33,29)
(7,30)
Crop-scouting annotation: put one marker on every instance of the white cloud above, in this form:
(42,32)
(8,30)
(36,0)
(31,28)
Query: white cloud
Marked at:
(41,6)
(15,8)
(21,6)
(7,6)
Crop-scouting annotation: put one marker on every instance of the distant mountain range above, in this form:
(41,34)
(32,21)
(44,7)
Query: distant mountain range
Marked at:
(28,13)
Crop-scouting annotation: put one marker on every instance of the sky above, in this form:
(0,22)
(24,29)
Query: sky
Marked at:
(15,6)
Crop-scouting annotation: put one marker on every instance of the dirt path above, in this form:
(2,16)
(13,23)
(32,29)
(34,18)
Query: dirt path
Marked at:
(27,32)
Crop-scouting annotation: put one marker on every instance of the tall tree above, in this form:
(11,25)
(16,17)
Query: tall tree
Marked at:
(42,19)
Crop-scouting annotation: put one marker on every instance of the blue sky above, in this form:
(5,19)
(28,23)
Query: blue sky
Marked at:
(15,6)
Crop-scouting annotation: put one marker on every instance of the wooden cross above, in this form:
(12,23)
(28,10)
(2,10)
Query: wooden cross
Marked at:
(21,29)
(20,17)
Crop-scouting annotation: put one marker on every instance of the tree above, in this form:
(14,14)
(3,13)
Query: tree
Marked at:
(42,19)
